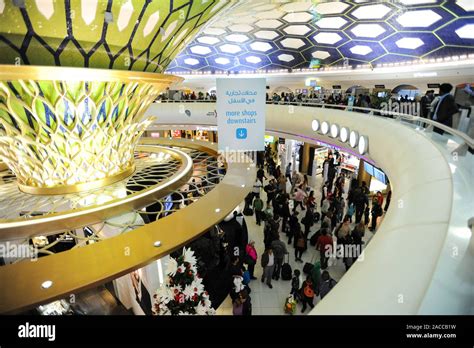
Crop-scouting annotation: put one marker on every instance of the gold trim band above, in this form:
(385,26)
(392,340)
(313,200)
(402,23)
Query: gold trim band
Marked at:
(68,220)
(56,73)
(86,186)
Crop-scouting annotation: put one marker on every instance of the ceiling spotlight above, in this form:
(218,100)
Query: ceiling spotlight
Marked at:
(344,134)
(334,130)
(353,139)
(324,128)
(315,125)
(47,284)
(363,144)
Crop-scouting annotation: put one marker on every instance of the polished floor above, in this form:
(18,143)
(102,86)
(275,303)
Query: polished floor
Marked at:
(266,301)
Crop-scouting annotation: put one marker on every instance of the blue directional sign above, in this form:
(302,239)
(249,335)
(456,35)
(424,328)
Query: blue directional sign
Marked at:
(241,114)
(241,133)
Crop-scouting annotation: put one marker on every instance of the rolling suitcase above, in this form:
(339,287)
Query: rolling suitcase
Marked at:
(286,271)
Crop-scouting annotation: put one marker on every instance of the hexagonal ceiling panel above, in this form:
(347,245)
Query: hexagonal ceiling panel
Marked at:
(263,34)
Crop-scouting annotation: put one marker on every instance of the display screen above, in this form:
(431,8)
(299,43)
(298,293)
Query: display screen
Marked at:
(314,64)
(369,168)
(379,175)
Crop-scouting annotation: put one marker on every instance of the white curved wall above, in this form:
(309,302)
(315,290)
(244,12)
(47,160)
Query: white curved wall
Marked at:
(402,257)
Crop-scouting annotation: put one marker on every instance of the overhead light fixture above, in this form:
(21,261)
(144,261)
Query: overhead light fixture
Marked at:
(217,210)
(47,284)
(324,128)
(344,134)
(363,144)
(425,74)
(334,130)
(315,125)
(353,139)
(157,244)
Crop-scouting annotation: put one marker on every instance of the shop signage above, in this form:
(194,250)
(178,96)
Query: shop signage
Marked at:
(379,86)
(337,87)
(433,85)
(281,140)
(241,114)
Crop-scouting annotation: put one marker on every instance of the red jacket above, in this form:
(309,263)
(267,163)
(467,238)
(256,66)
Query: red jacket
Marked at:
(323,241)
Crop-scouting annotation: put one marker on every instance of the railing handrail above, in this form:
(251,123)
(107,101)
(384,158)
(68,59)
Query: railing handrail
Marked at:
(466,138)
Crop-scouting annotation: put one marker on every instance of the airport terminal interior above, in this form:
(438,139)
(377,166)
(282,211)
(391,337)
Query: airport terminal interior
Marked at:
(236,157)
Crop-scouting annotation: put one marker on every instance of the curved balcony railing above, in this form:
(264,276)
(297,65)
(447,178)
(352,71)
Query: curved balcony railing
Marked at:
(420,260)
(417,120)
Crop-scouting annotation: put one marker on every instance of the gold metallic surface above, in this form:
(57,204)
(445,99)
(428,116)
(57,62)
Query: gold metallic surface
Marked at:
(64,189)
(48,73)
(3,167)
(69,220)
(72,126)
(82,268)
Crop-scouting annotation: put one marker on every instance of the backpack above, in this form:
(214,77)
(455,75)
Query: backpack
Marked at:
(246,277)
(308,291)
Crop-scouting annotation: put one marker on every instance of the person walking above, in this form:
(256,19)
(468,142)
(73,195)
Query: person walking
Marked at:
(251,258)
(445,108)
(327,283)
(299,244)
(293,226)
(325,246)
(288,172)
(268,265)
(325,204)
(376,212)
(285,214)
(261,174)
(307,292)
(257,186)
(295,284)
(298,198)
(258,208)
(307,221)
(279,250)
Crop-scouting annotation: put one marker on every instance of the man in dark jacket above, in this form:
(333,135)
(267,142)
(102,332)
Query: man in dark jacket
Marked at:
(279,250)
(426,101)
(445,108)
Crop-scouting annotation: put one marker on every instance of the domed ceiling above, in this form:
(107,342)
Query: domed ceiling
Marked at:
(141,35)
(265,35)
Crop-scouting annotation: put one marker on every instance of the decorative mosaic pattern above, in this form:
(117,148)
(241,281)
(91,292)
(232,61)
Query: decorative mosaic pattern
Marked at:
(141,35)
(57,133)
(267,35)
(151,169)
(207,173)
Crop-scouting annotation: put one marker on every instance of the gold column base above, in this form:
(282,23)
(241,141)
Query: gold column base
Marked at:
(64,189)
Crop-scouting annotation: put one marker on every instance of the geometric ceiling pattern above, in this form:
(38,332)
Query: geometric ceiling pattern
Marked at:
(141,35)
(264,35)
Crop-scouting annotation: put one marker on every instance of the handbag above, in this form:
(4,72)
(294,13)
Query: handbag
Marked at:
(300,243)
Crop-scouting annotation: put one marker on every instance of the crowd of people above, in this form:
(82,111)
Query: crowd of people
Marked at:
(439,107)
(290,215)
